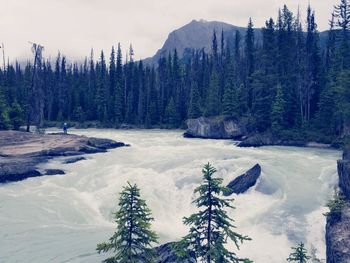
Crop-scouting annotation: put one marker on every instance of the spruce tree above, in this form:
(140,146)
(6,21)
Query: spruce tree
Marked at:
(133,239)
(194,110)
(299,254)
(4,117)
(231,99)
(277,112)
(210,228)
(16,115)
(213,100)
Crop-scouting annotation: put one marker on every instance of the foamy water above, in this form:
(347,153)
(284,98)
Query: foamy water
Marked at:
(62,218)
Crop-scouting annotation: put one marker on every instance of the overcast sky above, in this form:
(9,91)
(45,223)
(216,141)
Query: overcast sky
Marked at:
(75,26)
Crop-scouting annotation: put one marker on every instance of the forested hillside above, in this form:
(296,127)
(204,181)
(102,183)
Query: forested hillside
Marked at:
(286,81)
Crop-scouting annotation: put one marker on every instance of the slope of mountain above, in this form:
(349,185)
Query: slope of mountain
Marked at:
(198,35)
(195,35)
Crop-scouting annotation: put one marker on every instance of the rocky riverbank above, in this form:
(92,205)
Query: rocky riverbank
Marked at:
(338,227)
(21,152)
(221,127)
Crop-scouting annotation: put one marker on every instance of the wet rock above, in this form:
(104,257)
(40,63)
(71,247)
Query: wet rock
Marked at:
(338,237)
(54,172)
(245,181)
(74,160)
(338,227)
(215,128)
(265,139)
(22,152)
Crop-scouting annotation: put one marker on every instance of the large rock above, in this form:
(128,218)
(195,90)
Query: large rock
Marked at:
(338,228)
(243,182)
(265,139)
(338,237)
(21,152)
(215,128)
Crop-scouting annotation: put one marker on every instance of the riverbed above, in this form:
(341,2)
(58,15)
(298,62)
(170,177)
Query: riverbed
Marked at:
(62,218)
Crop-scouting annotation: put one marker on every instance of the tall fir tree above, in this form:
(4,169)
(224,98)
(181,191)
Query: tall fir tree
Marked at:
(210,228)
(133,240)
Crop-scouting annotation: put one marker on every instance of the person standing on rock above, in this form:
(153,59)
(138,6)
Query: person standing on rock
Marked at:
(65,128)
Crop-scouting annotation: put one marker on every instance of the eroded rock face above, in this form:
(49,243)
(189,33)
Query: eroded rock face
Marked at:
(338,228)
(215,128)
(338,237)
(245,181)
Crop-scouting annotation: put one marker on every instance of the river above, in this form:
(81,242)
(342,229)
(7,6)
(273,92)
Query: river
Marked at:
(62,218)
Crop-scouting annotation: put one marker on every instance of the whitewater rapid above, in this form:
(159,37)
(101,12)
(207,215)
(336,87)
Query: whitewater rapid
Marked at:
(62,218)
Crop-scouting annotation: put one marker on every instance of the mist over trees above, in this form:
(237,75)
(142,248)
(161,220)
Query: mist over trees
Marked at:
(284,81)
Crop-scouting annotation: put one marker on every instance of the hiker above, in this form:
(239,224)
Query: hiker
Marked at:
(65,128)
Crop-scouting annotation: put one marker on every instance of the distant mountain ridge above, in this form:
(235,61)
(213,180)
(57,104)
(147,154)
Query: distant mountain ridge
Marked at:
(198,35)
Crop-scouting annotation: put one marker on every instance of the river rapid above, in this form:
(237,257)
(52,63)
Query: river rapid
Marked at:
(62,218)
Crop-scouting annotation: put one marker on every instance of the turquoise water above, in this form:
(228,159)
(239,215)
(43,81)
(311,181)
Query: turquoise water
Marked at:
(62,218)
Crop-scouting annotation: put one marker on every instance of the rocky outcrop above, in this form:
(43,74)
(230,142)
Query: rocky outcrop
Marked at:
(215,128)
(74,159)
(265,139)
(21,152)
(338,237)
(338,227)
(54,172)
(243,182)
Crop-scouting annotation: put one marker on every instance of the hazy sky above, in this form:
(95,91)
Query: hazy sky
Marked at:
(75,26)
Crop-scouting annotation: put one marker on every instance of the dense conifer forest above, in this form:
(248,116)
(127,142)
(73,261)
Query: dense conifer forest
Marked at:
(282,82)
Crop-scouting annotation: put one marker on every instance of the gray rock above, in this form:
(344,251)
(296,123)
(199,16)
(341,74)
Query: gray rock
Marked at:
(243,182)
(215,128)
(54,172)
(338,237)
(344,177)
(20,156)
(74,160)
(265,139)
(338,228)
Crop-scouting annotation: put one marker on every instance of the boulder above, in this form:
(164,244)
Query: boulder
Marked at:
(54,172)
(243,182)
(74,159)
(265,139)
(215,128)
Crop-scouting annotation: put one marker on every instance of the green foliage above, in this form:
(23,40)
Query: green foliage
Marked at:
(16,115)
(277,112)
(194,110)
(210,228)
(299,254)
(336,205)
(133,239)
(4,115)
(213,101)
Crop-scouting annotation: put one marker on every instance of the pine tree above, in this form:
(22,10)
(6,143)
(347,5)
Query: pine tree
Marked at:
(277,112)
(119,90)
(133,239)
(213,100)
(210,228)
(230,99)
(4,117)
(194,110)
(299,254)
(16,115)
(171,115)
